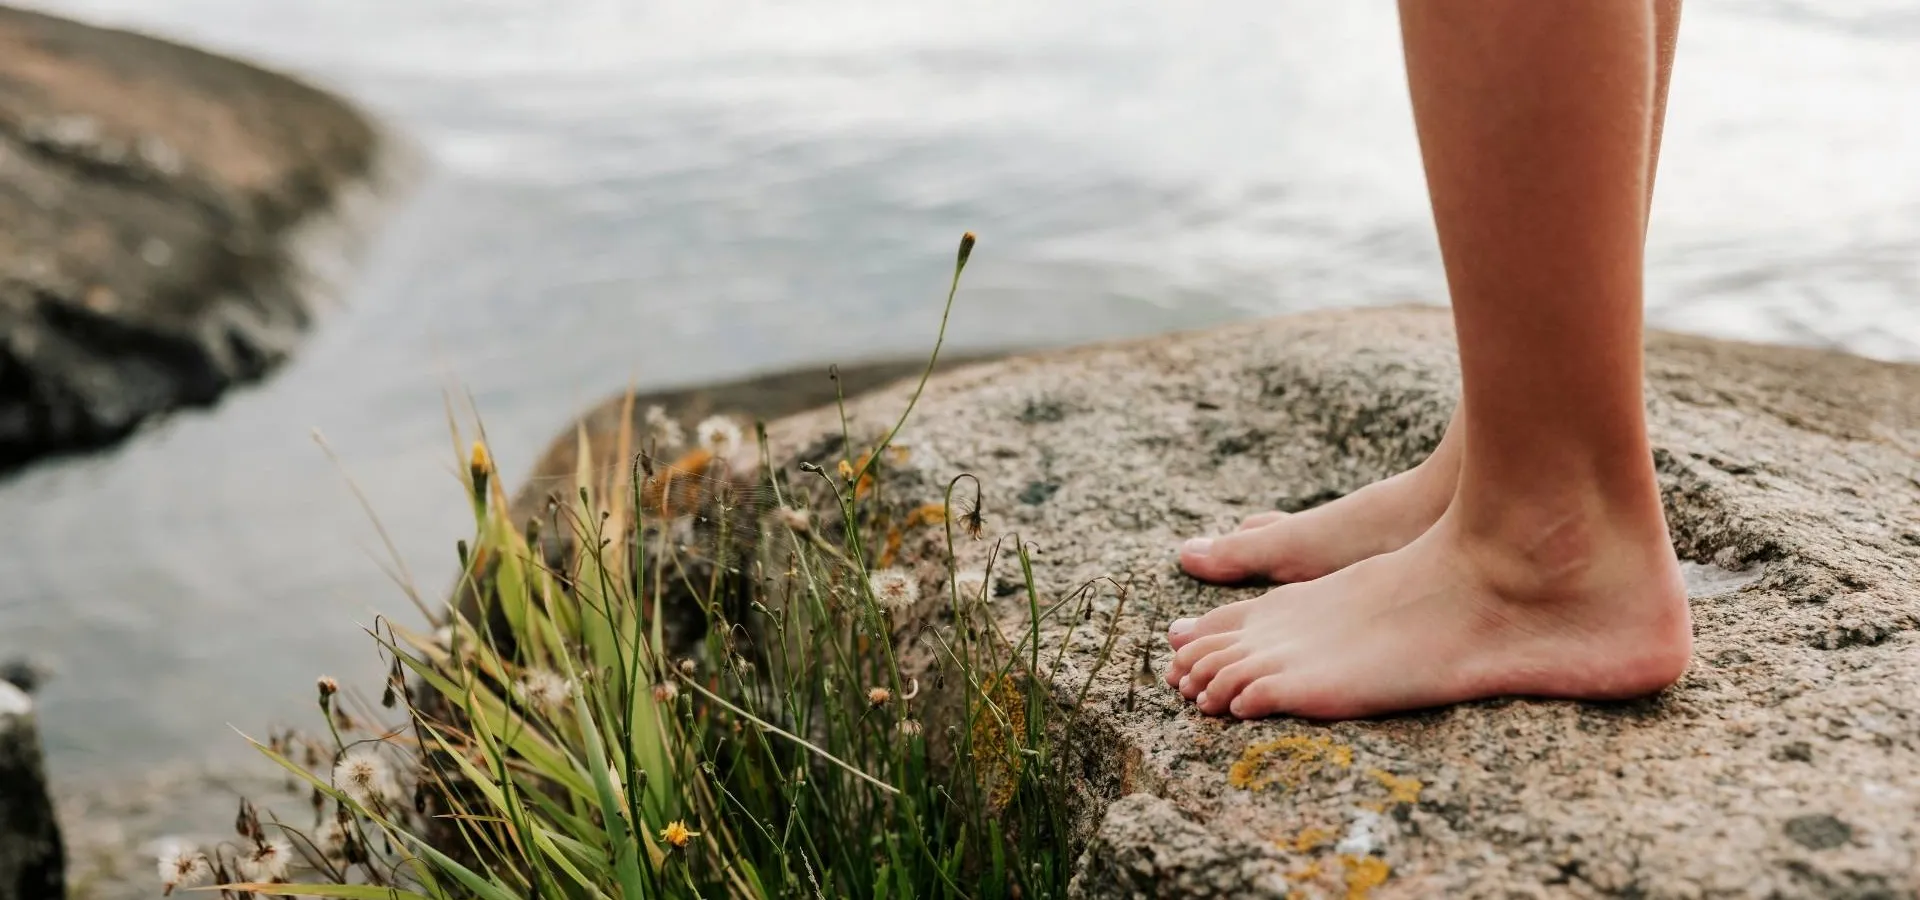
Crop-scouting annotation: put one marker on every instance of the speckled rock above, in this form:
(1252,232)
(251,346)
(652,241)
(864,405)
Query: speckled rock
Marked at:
(1786,763)
(32,865)
(161,209)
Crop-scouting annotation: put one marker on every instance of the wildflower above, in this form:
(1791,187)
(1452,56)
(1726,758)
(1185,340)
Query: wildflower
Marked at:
(267,861)
(972,584)
(894,590)
(879,696)
(845,469)
(543,689)
(676,833)
(719,436)
(328,688)
(665,691)
(182,866)
(796,520)
(662,428)
(480,466)
(909,728)
(687,666)
(364,776)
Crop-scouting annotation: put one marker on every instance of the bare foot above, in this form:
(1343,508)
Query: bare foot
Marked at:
(1379,518)
(1587,609)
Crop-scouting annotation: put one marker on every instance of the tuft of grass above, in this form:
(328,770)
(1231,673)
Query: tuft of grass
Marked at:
(700,693)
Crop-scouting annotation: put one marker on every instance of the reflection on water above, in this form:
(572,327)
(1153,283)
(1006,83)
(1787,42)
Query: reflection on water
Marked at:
(678,192)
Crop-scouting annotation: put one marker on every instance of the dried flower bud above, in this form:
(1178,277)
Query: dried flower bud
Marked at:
(966,250)
(879,696)
(328,688)
(665,692)
(687,666)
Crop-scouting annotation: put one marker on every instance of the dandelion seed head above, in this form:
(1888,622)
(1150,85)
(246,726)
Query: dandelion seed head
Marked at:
(267,861)
(332,839)
(663,429)
(544,689)
(182,865)
(365,776)
(895,590)
(878,696)
(719,436)
(795,520)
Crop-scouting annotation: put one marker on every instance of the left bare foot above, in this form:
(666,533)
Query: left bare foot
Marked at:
(1585,610)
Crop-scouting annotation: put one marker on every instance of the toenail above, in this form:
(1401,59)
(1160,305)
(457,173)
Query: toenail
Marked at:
(1197,546)
(1201,701)
(1181,626)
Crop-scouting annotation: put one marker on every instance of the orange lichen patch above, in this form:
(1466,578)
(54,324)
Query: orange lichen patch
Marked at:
(927,514)
(1364,873)
(1400,789)
(1287,761)
(1310,838)
(675,489)
(891,550)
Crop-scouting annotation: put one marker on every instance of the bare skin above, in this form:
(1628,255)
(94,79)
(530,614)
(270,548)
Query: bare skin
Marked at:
(1388,514)
(1547,570)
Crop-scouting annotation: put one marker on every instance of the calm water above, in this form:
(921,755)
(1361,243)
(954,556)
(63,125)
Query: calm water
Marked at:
(673,192)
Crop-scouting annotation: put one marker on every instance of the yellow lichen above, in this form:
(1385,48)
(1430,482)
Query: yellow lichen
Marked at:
(1364,873)
(1309,839)
(1400,789)
(1287,761)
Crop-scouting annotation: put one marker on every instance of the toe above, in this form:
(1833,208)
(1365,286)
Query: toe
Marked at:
(1194,651)
(1263,696)
(1228,683)
(1261,518)
(1234,557)
(1201,675)
(1218,620)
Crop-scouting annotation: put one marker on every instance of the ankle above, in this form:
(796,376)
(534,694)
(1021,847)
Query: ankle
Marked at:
(1569,538)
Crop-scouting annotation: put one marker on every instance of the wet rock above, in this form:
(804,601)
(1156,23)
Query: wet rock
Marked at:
(32,864)
(156,200)
(1788,468)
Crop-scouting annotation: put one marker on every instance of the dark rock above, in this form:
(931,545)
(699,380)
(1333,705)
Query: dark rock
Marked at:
(1817,832)
(152,196)
(32,860)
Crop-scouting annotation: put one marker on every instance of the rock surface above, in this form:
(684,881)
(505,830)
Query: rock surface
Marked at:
(32,865)
(151,196)
(1786,763)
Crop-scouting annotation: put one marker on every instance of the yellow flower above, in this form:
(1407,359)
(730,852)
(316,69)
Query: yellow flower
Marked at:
(676,833)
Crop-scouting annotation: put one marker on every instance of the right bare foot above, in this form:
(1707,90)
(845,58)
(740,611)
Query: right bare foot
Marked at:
(1379,518)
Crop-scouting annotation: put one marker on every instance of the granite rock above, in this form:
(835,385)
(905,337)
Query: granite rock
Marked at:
(1786,763)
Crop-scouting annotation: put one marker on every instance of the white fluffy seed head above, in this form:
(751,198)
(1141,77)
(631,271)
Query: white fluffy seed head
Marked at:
(719,436)
(663,430)
(183,866)
(894,590)
(365,776)
(544,690)
(267,861)
(332,839)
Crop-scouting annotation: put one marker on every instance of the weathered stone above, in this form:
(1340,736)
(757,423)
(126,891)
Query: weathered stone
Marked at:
(32,865)
(153,197)
(1786,762)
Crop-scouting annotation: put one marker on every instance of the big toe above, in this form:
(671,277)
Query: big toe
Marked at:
(1239,556)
